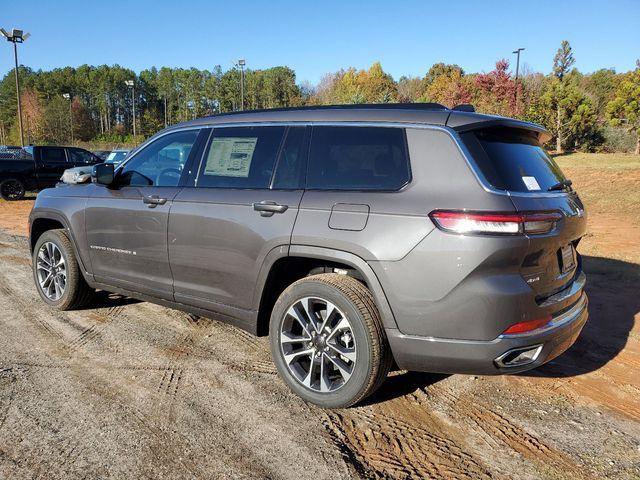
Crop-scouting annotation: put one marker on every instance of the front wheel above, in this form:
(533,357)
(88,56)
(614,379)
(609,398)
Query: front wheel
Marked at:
(12,189)
(327,340)
(57,273)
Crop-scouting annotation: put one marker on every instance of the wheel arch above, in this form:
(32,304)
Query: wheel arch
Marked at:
(283,266)
(43,221)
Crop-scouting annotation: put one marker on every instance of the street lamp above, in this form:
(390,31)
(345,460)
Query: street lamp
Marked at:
(517,52)
(16,36)
(67,96)
(241,64)
(130,83)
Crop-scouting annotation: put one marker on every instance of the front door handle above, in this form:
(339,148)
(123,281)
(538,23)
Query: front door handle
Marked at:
(152,201)
(267,209)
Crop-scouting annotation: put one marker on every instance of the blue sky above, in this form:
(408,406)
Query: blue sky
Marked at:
(318,37)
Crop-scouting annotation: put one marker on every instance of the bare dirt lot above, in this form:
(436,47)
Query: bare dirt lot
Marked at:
(127,389)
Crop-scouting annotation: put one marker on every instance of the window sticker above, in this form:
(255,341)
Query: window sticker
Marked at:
(531,183)
(230,156)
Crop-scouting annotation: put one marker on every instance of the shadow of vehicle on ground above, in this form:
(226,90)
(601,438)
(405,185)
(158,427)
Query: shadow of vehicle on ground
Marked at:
(614,301)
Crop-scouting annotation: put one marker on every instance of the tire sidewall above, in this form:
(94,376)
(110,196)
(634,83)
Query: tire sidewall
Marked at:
(357,383)
(54,237)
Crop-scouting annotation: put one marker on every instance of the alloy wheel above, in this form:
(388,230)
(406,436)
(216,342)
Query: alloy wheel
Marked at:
(51,271)
(318,344)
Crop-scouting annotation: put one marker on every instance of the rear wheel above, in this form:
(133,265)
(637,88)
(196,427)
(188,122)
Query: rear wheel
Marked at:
(12,189)
(327,340)
(57,273)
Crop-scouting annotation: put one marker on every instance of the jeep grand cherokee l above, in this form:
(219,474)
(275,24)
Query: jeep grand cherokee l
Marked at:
(354,236)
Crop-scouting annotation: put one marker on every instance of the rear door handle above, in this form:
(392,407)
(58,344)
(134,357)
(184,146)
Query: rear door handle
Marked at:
(267,209)
(153,201)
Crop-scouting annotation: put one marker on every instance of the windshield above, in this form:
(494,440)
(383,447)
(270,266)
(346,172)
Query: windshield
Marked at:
(512,159)
(116,157)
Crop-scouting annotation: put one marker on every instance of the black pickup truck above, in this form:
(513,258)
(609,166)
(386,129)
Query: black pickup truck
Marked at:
(34,168)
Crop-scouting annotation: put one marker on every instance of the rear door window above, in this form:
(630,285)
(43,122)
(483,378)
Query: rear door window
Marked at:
(240,157)
(358,158)
(291,169)
(53,155)
(513,160)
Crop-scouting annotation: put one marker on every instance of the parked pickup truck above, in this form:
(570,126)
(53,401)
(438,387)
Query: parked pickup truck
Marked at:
(34,168)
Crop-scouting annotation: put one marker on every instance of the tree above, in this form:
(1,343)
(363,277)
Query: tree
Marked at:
(449,89)
(562,62)
(624,109)
(495,92)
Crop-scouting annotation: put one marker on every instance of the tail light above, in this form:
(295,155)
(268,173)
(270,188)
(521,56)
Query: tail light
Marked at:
(494,223)
(528,326)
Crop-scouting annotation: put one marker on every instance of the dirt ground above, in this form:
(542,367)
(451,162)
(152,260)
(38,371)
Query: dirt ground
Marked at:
(127,389)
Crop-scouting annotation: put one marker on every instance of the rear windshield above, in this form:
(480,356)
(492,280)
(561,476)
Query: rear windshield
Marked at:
(512,159)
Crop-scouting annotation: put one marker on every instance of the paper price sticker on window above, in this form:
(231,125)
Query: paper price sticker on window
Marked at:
(230,156)
(531,183)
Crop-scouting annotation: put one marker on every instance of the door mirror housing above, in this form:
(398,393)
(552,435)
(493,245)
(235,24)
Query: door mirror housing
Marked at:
(102,174)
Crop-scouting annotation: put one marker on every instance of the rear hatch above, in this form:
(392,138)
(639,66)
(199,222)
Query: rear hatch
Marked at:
(513,162)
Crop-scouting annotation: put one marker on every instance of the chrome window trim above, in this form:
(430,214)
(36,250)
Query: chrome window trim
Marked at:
(475,170)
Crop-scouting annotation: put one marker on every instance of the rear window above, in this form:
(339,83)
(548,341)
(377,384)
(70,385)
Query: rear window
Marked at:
(358,158)
(512,159)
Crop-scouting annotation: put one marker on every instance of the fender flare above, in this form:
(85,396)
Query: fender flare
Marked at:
(48,214)
(331,255)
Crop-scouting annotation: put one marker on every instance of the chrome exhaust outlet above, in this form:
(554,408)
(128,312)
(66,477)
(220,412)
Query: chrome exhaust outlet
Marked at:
(518,357)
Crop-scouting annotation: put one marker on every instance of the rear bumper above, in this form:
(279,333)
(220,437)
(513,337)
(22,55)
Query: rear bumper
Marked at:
(440,355)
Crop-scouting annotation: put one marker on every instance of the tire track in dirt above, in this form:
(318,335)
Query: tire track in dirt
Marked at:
(387,446)
(28,310)
(259,357)
(500,432)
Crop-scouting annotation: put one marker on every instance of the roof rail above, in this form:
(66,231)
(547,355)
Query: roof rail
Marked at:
(350,106)
(464,107)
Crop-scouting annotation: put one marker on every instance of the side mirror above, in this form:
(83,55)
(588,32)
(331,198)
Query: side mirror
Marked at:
(102,174)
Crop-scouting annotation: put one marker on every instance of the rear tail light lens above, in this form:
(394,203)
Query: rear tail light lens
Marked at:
(528,326)
(494,223)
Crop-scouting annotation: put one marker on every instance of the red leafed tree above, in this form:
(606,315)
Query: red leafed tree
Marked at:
(495,92)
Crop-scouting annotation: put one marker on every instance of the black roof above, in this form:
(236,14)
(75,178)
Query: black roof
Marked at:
(425,113)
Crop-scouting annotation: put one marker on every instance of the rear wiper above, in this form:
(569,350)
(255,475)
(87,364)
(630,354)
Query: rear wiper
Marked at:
(560,185)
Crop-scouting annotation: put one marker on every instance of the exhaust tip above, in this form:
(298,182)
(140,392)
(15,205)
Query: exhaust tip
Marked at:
(518,357)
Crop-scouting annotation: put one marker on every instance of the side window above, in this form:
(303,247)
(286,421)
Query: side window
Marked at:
(77,155)
(53,155)
(160,163)
(240,157)
(291,168)
(358,158)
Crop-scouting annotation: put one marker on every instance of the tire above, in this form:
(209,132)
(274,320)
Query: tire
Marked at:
(12,189)
(74,292)
(316,377)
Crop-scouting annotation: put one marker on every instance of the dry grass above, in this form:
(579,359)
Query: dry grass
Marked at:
(609,184)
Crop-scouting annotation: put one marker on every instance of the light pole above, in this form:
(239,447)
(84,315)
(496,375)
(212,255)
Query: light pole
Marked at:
(16,36)
(130,83)
(517,52)
(67,96)
(241,64)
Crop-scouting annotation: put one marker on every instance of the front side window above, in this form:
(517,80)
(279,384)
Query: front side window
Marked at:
(81,156)
(240,157)
(53,155)
(160,163)
(358,158)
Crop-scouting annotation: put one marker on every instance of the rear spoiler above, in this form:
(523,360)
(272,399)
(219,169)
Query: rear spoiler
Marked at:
(464,123)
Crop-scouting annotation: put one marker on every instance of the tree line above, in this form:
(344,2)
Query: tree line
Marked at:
(599,111)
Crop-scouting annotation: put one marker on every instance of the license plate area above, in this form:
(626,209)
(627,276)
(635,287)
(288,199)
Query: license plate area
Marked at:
(567,258)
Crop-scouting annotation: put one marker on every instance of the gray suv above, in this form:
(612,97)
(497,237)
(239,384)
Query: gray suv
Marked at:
(356,237)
